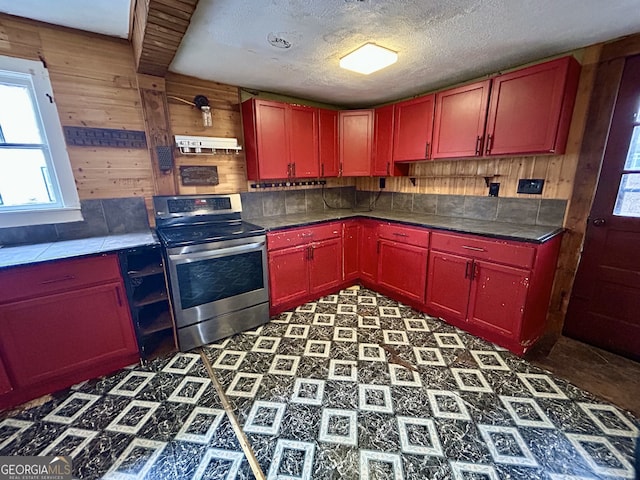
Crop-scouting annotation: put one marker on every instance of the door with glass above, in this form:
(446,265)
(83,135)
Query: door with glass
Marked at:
(604,309)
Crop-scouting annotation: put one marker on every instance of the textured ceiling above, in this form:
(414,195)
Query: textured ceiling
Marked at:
(439,43)
(110,17)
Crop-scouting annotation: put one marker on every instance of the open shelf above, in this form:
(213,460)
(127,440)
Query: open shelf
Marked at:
(152,297)
(143,273)
(157,324)
(146,271)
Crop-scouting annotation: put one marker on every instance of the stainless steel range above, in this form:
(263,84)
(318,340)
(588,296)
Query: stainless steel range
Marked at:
(217,266)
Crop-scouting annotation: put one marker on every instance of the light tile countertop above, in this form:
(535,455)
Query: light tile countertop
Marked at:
(42,252)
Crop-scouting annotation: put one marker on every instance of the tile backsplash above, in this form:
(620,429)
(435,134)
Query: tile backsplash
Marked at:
(101,217)
(523,211)
(527,211)
(288,202)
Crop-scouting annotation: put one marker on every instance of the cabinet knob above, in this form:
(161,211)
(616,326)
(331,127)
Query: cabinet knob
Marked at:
(598,222)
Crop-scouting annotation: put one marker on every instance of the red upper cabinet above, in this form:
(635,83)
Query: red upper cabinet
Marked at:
(356,142)
(266,139)
(303,141)
(281,140)
(461,114)
(412,129)
(530,109)
(383,141)
(328,140)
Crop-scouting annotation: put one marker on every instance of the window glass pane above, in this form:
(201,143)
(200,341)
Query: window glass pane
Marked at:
(633,156)
(628,201)
(18,115)
(24,178)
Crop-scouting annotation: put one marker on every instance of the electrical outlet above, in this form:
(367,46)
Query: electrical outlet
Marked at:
(530,185)
(383,182)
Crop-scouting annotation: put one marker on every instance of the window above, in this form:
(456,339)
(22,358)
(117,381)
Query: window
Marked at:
(628,200)
(36,180)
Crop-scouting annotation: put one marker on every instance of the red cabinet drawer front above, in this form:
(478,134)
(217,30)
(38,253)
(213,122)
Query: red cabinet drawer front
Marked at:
(399,233)
(62,275)
(301,236)
(498,251)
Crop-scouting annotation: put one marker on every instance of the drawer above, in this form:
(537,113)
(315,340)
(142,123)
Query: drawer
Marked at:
(300,236)
(403,234)
(498,251)
(62,275)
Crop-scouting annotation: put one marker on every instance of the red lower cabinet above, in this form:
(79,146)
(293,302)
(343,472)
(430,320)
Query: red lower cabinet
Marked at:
(61,323)
(496,289)
(288,275)
(325,265)
(498,296)
(448,285)
(368,260)
(310,267)
(5,383)
(351,250)
(57,335)
(403,268)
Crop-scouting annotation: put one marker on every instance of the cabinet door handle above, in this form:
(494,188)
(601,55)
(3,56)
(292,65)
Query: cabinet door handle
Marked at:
(426,150)
(322,170)
(66,278)
(489,143)
(311,249)
(478,146)
(288,170)
(388,168)
(294,170)
(118,296)
(475,271)
(467,267)
(398,234)
(475,249)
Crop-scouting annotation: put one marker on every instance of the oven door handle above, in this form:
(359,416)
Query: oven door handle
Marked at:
(219,252)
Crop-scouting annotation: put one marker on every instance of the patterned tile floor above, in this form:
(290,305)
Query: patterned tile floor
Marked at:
(352,386)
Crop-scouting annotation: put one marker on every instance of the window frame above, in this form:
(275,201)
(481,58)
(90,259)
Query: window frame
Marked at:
(67,206)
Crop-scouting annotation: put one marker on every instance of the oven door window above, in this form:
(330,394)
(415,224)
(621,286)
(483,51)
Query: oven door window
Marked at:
(207,281)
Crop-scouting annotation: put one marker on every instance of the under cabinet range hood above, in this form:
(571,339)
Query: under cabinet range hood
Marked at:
(189,145)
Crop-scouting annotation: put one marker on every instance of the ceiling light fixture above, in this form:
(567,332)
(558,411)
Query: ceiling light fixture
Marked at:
(368,58)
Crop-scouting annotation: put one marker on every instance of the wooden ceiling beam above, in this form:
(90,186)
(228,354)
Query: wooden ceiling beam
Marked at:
(158,29)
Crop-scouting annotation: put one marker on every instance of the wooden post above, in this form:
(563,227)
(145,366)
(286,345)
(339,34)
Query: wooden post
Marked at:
(153,98)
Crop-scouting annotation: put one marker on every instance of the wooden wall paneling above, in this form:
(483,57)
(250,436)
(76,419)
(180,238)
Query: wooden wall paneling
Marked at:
(18,41)
(187,120)
(94,84)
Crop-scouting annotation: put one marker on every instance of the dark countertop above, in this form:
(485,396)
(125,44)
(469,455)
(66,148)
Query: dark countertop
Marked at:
(44,252)
(507,231)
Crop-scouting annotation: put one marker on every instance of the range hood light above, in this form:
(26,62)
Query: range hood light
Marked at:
(368,58)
